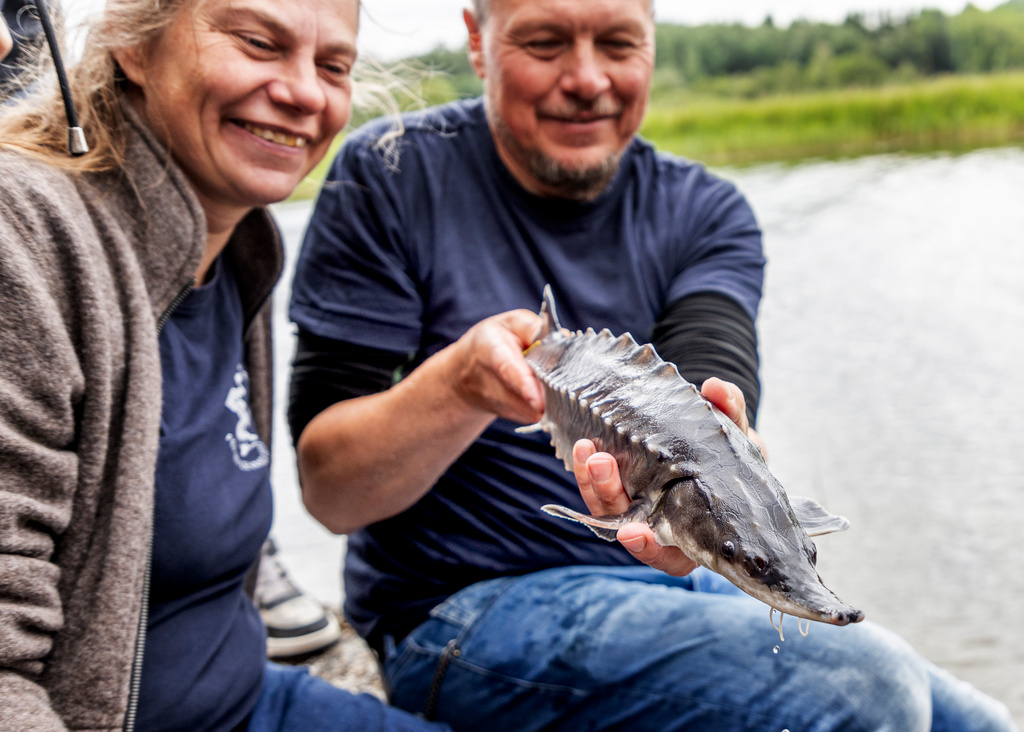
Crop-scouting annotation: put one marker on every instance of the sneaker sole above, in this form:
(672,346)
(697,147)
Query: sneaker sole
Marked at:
(307,643)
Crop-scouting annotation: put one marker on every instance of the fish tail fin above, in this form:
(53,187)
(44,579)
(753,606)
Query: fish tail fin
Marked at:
(604,526)
(548,314)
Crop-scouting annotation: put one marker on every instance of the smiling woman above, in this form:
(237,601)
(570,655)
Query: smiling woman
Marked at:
(136,370)
(246,96)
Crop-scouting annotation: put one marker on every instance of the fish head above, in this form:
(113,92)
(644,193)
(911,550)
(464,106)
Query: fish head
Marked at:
(754,540)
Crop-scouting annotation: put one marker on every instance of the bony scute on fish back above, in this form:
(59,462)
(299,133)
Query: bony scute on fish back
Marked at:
(694,477)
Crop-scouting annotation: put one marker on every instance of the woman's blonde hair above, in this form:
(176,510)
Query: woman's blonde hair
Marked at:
(36,125)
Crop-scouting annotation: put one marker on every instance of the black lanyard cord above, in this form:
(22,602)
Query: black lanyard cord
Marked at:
(76,137)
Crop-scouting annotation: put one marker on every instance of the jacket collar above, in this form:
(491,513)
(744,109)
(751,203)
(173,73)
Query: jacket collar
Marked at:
(156,203)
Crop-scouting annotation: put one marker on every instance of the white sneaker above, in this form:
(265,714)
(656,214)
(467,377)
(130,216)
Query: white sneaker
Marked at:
(296,623)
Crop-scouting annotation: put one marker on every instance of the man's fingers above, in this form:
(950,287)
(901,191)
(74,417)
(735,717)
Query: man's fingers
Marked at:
(521,325)
(729,398)
(598,476)
(519,379)
(638,539)
(581,452)
(608,489)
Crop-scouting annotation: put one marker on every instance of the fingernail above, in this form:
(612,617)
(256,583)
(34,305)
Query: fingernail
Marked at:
(636,544)
(600,470)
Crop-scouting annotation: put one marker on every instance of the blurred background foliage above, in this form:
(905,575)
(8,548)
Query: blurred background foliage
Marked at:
(730,94)
(737,61)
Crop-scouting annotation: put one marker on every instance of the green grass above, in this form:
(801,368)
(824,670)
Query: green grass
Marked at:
(955,112)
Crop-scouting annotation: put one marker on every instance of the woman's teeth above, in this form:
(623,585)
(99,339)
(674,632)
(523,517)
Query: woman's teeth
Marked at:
(275,136)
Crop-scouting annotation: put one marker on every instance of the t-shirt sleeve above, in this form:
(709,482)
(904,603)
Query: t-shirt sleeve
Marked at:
(707,335)
(326,371)
(353,278)
(721,249)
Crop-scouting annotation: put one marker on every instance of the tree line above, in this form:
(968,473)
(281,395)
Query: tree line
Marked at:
(862,51)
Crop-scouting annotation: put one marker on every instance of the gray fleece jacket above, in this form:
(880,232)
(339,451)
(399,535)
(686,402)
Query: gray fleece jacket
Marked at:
(90,266)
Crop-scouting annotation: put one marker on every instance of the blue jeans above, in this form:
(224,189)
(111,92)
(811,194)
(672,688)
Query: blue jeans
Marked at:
(610,648)
(293,701)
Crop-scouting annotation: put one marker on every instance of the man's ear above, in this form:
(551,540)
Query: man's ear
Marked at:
(475,47)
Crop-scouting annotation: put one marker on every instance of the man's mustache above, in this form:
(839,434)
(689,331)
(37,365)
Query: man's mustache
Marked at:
(580,109)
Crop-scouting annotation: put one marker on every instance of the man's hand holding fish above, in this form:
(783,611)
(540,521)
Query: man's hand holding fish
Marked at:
(602,490)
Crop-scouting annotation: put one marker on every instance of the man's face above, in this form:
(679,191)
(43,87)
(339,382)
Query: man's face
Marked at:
(565,86)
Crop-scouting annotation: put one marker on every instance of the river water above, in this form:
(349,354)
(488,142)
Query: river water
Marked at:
(892,347)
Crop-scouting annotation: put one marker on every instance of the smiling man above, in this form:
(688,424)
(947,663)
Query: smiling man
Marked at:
(424,257)
(562,134)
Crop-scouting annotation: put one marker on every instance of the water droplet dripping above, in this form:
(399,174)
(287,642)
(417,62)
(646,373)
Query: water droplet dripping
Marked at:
(776,650)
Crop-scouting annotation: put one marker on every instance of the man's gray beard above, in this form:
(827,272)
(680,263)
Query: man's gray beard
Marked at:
(578,184)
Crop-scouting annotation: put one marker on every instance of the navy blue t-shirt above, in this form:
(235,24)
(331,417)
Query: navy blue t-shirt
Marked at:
(408,259)
(205,646)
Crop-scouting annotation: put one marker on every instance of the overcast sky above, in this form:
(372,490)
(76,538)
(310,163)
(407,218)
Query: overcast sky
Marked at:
(395,28)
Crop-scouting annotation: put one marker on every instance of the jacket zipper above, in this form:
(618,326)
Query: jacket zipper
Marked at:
(140,638)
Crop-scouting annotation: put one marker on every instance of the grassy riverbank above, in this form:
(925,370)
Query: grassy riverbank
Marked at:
(948,113)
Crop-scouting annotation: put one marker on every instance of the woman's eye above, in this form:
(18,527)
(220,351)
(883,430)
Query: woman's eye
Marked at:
(337,70)
(259,43)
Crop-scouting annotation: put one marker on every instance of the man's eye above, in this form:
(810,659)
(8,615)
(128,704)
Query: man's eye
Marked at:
(544,46)
(618,45)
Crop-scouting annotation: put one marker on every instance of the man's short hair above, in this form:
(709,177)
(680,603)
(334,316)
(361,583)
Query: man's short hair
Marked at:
(482,7)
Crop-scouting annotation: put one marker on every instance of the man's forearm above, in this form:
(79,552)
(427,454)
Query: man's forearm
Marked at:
(369,458)
(366,459)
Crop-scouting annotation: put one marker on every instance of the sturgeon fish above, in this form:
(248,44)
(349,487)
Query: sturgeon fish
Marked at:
(694,477)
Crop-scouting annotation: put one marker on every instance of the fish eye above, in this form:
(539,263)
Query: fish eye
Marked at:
(728,550)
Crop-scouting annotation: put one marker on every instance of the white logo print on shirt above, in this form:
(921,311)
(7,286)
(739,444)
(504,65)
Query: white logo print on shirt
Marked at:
(247,448)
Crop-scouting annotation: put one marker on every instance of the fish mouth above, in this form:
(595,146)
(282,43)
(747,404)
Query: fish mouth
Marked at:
(846,616)
(801,600)
(836,613)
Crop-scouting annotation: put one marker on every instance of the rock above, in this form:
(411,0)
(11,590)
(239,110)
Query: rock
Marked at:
(348,664)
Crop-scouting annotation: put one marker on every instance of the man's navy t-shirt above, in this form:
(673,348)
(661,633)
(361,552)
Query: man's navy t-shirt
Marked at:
(407,257)
(205,646)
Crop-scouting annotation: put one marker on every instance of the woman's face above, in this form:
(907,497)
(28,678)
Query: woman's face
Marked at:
(248,94)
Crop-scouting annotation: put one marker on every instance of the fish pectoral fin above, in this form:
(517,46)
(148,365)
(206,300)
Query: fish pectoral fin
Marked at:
(604,526)
(814,519)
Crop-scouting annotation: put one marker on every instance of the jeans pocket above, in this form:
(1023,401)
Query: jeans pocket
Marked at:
(466,606)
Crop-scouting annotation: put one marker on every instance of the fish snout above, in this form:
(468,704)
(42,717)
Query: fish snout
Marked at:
(846,616)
